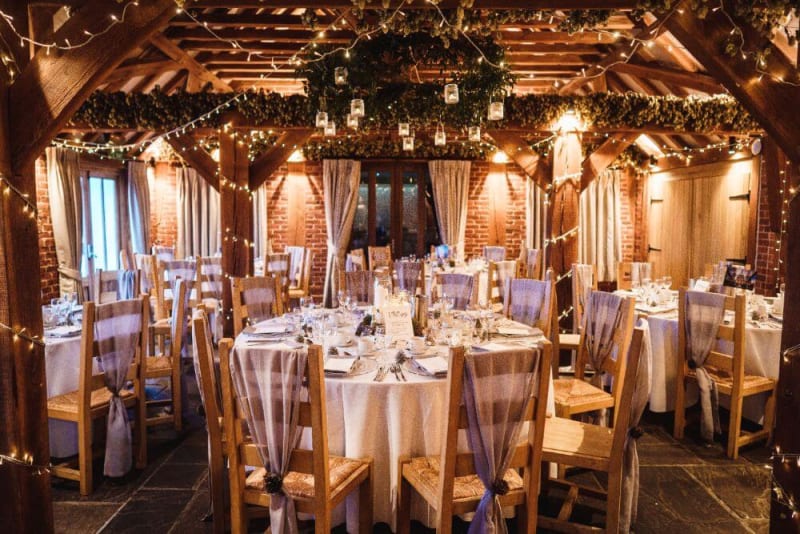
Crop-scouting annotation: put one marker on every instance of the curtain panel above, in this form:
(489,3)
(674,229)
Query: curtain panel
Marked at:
(535,215)
(260,224)
(139,207)
(340,179)
(65,192)
(450,181)
(600,237)
(198,216)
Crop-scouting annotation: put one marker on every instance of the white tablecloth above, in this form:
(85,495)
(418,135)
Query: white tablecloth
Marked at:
(385,420)
(62,367)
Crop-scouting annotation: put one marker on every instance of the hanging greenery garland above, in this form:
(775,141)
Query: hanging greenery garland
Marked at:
(359,147)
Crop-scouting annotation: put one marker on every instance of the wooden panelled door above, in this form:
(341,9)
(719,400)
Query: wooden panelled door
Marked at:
(698,216)
(395,207)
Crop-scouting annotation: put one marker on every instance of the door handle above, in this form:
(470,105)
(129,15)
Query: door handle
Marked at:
(653,249)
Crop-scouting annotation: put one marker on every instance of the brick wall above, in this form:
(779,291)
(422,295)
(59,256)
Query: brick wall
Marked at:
(163,205)
(766,244)
(47,245)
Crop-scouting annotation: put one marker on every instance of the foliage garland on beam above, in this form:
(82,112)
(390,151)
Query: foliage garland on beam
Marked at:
(159,112)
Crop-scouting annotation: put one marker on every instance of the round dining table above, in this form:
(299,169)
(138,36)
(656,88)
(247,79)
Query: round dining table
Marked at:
(385,420)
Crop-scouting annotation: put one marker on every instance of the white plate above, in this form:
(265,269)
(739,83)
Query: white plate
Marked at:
(429,352)
(411,368)
(776,316)
(362,367)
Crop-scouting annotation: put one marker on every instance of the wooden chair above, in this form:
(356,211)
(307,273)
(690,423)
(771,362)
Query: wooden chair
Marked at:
(303,288)
(92,399)
(461,287)
(499,273)
(410,276)
(255,298)
(147,266)
(210,396)
(356,261)
(316,481)
(168,272)
(449,482)
(575,395)
(532,302)
(297,257)
(278,266)
(530,263)
(594,447)
(111,286)
(630,271)
(360,285)
(167,364)
(208,282)
(727,371)
(380,258)
(580,288)
(163,253)
(494,253)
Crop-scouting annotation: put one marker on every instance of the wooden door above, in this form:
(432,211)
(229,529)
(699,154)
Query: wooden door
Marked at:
(670,228)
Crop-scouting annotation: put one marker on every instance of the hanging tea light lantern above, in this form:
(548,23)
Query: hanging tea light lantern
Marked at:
(357,107)
(330,129)
(322,119)
(408,143)
(451,93)
(340,75)
(475,134)
(404,129)
(495,111)
(352,121)
(440,139)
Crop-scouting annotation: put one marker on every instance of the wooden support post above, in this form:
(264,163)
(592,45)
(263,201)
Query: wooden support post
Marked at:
(236,212)
(197,158)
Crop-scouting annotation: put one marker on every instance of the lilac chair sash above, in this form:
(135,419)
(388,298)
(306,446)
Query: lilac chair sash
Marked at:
(260,301)
(117,331)
(498,388)
(640,270)
(601,320)
(494,253)
(506,270)
(704,313)
(531,261)
(269,388)
(457,286)
(407,274)
(359,284)
(527,300)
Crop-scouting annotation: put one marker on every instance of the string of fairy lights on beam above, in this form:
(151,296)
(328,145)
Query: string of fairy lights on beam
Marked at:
(25,460)
(29,206)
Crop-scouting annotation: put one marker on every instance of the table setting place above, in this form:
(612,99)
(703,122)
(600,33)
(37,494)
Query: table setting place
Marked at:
(62,317)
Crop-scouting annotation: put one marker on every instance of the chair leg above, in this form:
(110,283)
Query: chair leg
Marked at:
(85,456)
(177,405)
(217,481)
(614,503)
(141,429)
(769,415)
(365,503)
(680,410)
(735,426)
(403,522)
(322,521)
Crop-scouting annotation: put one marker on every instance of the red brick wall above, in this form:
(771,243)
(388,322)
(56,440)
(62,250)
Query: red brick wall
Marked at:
(47,245)
(163,206)
(767,264)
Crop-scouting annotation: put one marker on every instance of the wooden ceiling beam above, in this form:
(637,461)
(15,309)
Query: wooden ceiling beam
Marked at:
(771,103)
(520,152)
(196,69)
(692,80)
(257,20)
(252,34)
(269,162)
(604,156)
(148,68)
(393,4)
(53,86)
(196,157)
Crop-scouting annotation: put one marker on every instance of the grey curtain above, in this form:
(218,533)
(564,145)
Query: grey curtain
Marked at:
(198,216)
(450,181)
(139,207)
(600,236)
(535,215)
(66,210)
(260,223)
(340,178)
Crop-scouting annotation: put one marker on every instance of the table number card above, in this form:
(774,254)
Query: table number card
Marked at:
(397,319)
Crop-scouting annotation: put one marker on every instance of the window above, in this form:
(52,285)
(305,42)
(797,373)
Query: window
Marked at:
(102,235)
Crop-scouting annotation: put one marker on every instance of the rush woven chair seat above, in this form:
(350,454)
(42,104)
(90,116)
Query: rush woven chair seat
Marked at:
(115,335)
(701,332)
(306,480)
(487,478)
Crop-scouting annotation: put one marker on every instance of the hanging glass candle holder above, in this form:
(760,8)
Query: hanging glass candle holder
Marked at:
(495,111)
(408,143)
(475,134)
(330,129)
(340,75)
(440,139)
(322,119)
(404,129)
(451,93)
(352,121)
(357,107)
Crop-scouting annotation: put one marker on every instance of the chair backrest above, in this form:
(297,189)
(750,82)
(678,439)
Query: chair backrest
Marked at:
(277,263)
(460,287)
(410,275)
(620,328)
(206,376)
(380,258)
(255,298)
(629,272)
(494,253)
(164,253)
(584,280)
(305,275)
(499,272)
(239,375)
(530,263)
(209,278)
(296,261)
(111,286)
(522,398)
(356,261)
(530,302)
(360,285)
(147,266)
(733,333)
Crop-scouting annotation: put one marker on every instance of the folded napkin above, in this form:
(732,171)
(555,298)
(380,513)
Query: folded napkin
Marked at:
(518,331)
(435,366)
(491,346)
(64,331)
(267,329)
(339,365)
